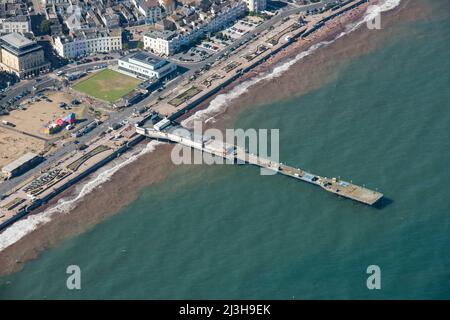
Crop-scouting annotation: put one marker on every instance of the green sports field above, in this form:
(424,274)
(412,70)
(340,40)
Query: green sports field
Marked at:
(108,85)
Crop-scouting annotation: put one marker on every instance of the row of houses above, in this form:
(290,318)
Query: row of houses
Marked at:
(19,24)
(82,27)
(96,26)
(99,14)
(174,27)
(83,42)
(67,16)
(189,23)
(14,17)
(154,10)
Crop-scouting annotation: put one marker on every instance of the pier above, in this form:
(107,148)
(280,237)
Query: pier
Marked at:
(236,154)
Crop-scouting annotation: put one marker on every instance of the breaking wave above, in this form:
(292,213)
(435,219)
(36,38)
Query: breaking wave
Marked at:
(220,103)
(24,226)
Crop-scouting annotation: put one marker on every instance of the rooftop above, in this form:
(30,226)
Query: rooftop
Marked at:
(149,4)
(19,162)
(91,34)
(162,34)
(17,19)
(144,57)
(16,40)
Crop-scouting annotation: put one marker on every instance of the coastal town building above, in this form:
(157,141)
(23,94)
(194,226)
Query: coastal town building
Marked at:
(87,15)
(22,56)
(256,5)
(150,9)
(12,9)
(20,165)
(145,66)
(168,5)
(110,19)
(222,15)
(191,25)
(127,15)
(52,2)
(20,24)
(83,42)
(164,42)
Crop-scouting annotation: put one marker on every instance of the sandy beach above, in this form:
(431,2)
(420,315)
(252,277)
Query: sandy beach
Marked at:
(125,185)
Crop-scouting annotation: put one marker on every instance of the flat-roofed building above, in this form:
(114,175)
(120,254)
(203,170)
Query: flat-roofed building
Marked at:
(143,65)
(21,165)
(22,56)
(164,123)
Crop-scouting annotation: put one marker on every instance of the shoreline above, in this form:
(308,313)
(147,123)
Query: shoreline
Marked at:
(89,212)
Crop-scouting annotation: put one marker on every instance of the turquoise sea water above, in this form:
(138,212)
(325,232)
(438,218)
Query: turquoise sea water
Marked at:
(227,232)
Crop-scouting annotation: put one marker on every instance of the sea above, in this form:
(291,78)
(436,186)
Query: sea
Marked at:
(227,232)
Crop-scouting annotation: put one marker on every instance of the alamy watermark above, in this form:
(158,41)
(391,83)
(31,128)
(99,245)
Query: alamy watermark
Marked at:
(238,146)
(74,279)
(374,280)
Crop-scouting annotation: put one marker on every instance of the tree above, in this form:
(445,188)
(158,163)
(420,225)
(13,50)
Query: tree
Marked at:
(126,46)
(140,45)
(45,26)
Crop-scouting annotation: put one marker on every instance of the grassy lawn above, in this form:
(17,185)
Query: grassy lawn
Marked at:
(186,95)
(75,165)
(108,85)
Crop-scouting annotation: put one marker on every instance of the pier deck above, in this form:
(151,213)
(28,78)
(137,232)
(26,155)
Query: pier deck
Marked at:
(235,154)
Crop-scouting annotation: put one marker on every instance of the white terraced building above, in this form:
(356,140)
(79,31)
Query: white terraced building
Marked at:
(84,42)
(224,15)
(19,24)
(169,42)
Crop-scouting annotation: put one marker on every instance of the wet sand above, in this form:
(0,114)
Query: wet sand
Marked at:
(125,185)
